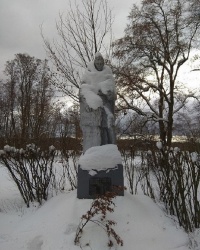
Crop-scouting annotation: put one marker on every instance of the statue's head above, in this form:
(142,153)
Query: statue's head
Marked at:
(99,61)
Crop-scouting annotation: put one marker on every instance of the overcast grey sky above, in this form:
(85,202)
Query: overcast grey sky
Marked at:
(20,22)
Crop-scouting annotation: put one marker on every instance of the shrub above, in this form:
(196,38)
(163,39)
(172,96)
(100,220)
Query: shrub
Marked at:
(170,176)
(69,160)
(173,177)
(31,169)
(100,206)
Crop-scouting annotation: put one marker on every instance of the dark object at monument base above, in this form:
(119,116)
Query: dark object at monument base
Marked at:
(99,186)
(90,186)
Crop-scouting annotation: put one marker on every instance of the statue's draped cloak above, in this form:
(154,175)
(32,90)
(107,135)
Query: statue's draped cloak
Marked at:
(97,102)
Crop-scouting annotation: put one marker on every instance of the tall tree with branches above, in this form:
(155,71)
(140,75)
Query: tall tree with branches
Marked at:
(157,43)
(27,98)
(85,30)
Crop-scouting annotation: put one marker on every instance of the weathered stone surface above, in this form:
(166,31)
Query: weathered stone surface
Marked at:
(87,189)
(97,102)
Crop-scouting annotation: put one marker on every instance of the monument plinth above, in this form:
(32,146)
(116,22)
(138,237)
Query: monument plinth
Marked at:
(100,166)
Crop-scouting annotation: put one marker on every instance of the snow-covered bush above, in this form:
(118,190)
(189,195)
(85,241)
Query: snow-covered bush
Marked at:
(31,169)
(167,175)
(132,162)
(173,176)
(69,160)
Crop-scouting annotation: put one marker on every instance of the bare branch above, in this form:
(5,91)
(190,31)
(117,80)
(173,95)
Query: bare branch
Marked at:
(82,32)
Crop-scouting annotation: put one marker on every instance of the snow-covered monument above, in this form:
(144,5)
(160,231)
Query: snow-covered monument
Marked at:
(100,166)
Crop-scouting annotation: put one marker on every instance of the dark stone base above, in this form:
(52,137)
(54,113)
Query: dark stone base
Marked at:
(89,187)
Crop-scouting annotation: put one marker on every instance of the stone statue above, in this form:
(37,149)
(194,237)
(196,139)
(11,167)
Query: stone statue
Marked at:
(97,103)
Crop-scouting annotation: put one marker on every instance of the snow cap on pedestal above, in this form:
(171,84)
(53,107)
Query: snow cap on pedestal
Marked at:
(100,158)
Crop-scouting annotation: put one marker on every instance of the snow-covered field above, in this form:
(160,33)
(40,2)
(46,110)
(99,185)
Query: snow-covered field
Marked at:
(140,223)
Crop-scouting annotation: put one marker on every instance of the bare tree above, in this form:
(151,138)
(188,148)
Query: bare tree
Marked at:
(28,95)
(157,42)
(7,113)
(85,30)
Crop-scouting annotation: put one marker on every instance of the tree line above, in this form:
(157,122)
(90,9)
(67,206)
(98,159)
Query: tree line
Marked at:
(28,112)
(146,63)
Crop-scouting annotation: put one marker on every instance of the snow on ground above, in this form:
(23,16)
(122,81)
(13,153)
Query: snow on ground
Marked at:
(140,223)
